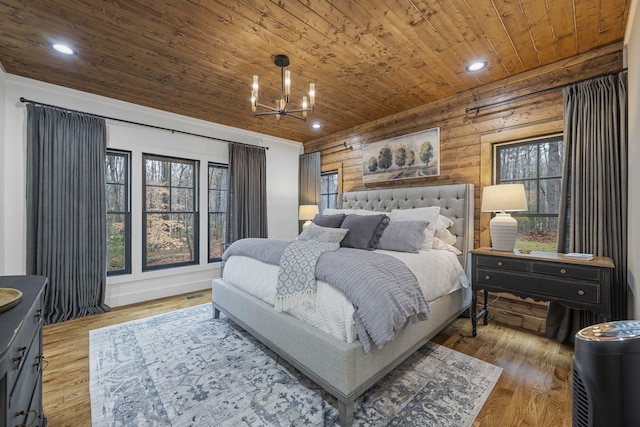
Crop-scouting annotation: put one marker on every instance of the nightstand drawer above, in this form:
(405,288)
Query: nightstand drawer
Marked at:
(504,263)
(539,287)
(564,270)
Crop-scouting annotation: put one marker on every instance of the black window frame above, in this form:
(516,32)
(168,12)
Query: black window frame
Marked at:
(126,212)
(195,212)
(209,212)
(538,141)
(326,196)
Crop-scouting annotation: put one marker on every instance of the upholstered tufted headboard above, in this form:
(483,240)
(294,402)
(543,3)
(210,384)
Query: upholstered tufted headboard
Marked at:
(455,201)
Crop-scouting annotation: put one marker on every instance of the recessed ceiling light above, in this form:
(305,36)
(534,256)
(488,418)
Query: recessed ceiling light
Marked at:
(316,125)
(476,66)
(63,48)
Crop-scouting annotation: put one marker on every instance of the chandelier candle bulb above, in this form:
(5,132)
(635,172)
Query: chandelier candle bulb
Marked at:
(312,95)
(255,87)
(287,83)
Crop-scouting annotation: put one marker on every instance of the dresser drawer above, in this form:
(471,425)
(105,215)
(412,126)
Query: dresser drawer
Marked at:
(539,287)
(503,263)
(17,355)
(21,392)
(565,270)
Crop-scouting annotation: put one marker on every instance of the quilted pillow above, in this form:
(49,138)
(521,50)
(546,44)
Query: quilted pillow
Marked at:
(332,221)
(364,230)
(430,214)
(323,234)
(403,236)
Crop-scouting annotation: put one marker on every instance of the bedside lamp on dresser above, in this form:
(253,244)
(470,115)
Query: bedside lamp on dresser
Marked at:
(503,227)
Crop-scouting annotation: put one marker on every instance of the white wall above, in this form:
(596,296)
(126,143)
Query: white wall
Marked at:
(632,44)
(282,180)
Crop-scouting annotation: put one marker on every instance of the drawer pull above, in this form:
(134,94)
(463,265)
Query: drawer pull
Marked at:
(563,271)
(580,292)
(487,277)
(27,413)
(18,358)
(39,315)
(500,263)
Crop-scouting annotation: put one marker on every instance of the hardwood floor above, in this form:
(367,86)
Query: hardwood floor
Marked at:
(534,389)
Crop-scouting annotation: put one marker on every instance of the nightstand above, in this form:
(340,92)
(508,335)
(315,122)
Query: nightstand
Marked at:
(543,276)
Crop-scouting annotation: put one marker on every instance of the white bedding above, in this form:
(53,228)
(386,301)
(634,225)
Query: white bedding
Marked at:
(438,273)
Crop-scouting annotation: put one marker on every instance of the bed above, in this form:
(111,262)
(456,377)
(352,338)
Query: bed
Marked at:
(342,367)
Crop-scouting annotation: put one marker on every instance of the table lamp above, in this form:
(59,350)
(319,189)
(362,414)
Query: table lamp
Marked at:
(306,213)
(503,227)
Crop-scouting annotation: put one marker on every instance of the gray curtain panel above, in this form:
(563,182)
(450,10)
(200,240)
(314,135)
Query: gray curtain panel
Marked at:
(308,181)
(247,196)
(593,209)
(66,210)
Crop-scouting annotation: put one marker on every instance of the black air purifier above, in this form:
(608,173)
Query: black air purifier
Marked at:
(606,375)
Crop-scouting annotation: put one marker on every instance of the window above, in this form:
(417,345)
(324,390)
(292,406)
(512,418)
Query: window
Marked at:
(117,190)
(538,165)
(170,215)
(217,209)
(328,190)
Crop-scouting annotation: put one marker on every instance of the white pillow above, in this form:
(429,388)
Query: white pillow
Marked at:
(331,211)
(365,212)
(430,214)
(441,245)
(443,222)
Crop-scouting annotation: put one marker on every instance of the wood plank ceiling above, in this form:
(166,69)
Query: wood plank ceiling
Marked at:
(368,59)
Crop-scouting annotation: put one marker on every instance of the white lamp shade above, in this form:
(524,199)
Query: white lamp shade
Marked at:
(503,227)
(307,212)
(504,197)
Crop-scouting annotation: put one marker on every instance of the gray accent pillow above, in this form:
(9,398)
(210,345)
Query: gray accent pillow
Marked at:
(403,236)
(332,221)
(364,230)
(323,234)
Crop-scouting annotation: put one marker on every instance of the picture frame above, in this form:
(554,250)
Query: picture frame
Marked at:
(411,156)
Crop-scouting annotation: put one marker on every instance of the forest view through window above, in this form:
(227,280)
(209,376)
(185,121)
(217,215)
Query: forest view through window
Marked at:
(328,190)
(170,212)
(117,187)
(538,165)
(217,209)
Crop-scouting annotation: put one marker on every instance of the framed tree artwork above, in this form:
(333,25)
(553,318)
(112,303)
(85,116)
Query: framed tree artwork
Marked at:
(415,155)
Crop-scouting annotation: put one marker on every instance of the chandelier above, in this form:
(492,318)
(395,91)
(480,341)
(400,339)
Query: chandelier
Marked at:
(280,109)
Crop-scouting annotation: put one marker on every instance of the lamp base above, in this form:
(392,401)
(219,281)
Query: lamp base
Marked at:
(503,228)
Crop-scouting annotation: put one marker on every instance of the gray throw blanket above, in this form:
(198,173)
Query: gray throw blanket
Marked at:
(297,273)
(384,292)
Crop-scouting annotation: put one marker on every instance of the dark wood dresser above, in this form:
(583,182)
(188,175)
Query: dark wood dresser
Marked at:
(21,354)
(543,276)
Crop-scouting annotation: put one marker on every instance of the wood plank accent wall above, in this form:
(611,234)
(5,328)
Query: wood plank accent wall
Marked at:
(466,141)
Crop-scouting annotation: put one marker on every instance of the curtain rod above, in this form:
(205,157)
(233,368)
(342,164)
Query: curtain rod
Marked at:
(504,101)
(343,145)
(24,100)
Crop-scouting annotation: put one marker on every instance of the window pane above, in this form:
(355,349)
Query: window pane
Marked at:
(115,169)
(549,200)
(181,175)
(518,162)
(170,238)
(157,172)
(218,177)
(217,201)
(116,239)
(537,233)
(116,197)
(182,200)
(157,199)
(216,234)
(551,158)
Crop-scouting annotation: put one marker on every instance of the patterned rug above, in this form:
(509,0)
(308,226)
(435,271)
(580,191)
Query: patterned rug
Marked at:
(186,369)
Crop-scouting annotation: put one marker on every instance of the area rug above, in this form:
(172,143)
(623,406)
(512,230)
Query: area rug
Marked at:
(185,368)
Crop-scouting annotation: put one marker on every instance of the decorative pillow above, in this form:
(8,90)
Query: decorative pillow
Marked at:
(365,212)
(323,234)
(443,246)
(430,214)
(364,230)
(332,221)
(403,236)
